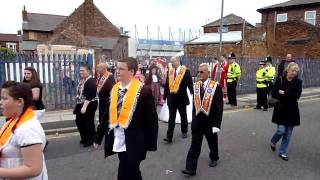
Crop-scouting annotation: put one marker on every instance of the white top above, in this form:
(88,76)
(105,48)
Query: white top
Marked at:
(178,69)
(119,144)
(154,78)
(27,134)
(204,84)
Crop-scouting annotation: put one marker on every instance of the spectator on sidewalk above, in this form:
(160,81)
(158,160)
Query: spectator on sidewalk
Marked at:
(287,89)
(224,66)
(22,139)
(284,63)
(271,73)
(86,106)
(154,81)
(31,77)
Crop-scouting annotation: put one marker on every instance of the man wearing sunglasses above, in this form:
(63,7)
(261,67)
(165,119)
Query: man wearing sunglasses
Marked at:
(206,120)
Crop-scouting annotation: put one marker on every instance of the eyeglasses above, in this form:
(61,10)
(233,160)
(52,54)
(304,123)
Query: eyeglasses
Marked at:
(200,72)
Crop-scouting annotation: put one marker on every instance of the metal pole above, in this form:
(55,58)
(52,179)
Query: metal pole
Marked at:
(221,24)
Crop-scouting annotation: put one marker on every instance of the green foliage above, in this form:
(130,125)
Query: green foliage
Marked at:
(6,54)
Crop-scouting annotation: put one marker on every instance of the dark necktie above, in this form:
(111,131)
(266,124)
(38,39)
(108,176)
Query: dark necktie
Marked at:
(202,90)
(175,73)
(121,94)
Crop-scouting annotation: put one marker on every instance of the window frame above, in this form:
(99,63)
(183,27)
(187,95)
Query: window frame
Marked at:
(282,14)
(314,18)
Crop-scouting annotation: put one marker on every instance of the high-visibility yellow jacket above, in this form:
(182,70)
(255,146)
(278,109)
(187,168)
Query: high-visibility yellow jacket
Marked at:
(234,72)
(271,73)
(261,78)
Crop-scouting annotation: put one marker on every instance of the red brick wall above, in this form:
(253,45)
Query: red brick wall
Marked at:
(292,15)
(260,42)
(89,21)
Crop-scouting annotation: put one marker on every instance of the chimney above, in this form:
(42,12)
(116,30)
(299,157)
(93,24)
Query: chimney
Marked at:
(24,14)
(19,32)
(88,1)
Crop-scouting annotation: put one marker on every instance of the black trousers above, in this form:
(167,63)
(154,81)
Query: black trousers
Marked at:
(128,169)
(85,124)
(195,149)
(262,97)
(172,120)
(232,92)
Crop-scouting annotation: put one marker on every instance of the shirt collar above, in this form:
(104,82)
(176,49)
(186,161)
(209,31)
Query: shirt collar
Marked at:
(205,83)
(126,87)
(178,68)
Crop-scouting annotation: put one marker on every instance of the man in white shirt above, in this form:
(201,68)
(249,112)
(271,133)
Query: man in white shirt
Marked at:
(131,122)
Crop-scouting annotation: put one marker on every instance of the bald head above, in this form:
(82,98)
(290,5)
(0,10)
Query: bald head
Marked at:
(102,68)
(175,61)
(289,57)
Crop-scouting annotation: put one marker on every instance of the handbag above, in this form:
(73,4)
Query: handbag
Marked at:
(272,101)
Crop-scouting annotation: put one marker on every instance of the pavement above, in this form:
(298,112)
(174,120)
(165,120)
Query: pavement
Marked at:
(63,121)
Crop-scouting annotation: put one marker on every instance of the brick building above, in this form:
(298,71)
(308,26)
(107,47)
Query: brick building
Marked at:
(274,36)
(10,41)
(294,10)
(86,27)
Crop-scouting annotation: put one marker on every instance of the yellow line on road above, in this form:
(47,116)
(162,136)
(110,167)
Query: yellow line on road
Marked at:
(63,135)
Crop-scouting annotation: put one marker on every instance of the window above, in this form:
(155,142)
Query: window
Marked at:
(223,29)
(282,17)
(11,46)
(310,17)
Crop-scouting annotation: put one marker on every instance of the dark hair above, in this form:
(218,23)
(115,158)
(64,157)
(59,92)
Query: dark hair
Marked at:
(19,90)
(84,65)
(132,64)
(149,77)
(34,78)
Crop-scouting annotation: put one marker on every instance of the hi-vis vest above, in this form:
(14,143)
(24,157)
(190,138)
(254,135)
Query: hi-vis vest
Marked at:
(271,73)
(261,78)
(234,72)
(204,105)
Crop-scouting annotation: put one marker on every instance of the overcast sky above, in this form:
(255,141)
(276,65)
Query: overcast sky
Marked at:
(185,14)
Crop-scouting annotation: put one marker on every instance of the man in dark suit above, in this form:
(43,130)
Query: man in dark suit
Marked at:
(132,127)
(175,91)
(104,85)
(284,63)
(206,121)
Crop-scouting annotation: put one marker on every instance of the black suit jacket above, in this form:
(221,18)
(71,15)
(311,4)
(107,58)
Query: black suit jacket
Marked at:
(214,119)
(181,97)
(104,95)
(141,135)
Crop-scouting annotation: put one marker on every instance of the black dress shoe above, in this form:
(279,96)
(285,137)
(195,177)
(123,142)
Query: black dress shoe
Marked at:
(81,142)
(168,140)
(284,157)
(213,163)
(184,135)
(272,147)
(189,172)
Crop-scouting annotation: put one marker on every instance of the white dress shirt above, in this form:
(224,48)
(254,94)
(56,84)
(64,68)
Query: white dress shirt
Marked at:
(119,144)
(154,78)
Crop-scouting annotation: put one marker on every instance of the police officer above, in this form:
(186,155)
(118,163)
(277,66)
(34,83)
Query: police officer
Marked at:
(262,87)
(271,73)
(233,76)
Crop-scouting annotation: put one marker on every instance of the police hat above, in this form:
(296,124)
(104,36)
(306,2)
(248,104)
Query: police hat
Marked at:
(268,59)
(232,56)
(262,63)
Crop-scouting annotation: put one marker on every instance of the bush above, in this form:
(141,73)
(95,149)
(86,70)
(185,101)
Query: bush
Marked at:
(6,54)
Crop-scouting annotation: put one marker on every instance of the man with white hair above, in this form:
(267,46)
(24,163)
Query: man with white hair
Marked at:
(207,117)
(175,91)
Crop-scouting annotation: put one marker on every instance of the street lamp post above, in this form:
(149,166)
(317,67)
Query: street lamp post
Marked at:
(221,25)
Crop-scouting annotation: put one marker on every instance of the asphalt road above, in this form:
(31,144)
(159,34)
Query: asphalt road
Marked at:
(243,146)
